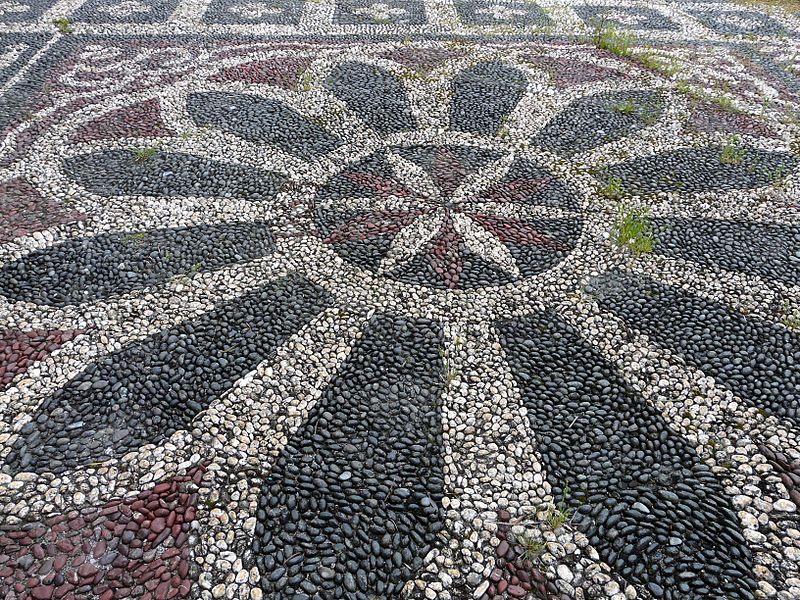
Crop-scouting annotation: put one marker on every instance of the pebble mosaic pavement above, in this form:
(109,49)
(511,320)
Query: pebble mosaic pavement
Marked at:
(321,299)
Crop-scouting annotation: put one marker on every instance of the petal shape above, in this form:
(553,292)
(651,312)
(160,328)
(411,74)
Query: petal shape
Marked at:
(446,256)
(637,489)
(484,96)
(520,233)
(120,173)
(87,269)
(261,120)
(282,72)
(771,251)
(475,184)
(484,243)
(154,387)
(599,119)
(359,486)
(411,239)
(121,542)
(701,170)
(755,359)
(370,225)
(448,166)
(535,244)
(530,184)
(376,96)
(378,184)
(412,176)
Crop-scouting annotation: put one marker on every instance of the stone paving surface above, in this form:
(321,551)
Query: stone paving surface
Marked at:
(443,299)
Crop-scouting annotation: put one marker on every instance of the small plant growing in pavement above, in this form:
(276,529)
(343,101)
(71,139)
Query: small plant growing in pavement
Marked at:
(649,60)
(305,81)
(633,230)
(791,316)
(557,515)
(606,37)
(732,153)
(531,548)
(725,102)
(449,373)
(625,107)
(612,188)
(144,154)
(63,24)
(135,238)
(649,114)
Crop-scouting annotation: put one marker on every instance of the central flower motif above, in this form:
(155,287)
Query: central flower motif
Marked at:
(448,216)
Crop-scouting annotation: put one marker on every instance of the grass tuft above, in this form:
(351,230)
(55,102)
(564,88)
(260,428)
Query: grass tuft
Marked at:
(63,24)
(791,316)
(612,188)
(143,154)
(650,61)
(305,82)
(633,230)
(449,372)
(606,37)
(626,107)
(135,238)
(732,152)
(531,548)
(557,515)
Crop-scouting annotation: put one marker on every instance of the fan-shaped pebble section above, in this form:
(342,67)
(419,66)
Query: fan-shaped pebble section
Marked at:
(591,121)
(769,250)
(484,96)
(352,504)
(261,120)
(154,387)
(757,360)
(133,173)
(654,511)
(702,170)
(94,268)
(374,95)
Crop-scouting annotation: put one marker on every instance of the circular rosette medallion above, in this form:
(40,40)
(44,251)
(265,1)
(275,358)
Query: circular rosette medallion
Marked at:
(448,216)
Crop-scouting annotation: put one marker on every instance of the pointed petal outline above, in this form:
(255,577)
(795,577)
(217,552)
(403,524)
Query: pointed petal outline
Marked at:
(445,257)
(411,239)
(382,186)
(515,191)
(261,120)
(370,225)
(413,177)
(445,162)
(484,243)
(516,231)
(387,96)
(484,95)
(476,183)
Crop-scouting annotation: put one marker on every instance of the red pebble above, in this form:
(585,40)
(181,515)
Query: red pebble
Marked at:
(42,592)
